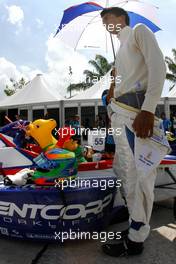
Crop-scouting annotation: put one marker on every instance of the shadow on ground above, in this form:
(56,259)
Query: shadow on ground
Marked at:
(160,247)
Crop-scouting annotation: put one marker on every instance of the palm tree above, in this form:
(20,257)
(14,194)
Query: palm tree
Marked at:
(15,86)
(171,63)
(101,66)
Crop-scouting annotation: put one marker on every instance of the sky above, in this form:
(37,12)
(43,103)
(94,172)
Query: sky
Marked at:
(27,46)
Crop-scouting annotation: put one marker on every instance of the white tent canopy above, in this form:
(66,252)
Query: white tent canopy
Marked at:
(172,93)
(37,91)
(38,94)
(94,92)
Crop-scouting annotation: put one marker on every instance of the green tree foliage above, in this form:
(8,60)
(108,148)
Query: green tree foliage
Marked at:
(100,67)
(14,86)
(171,63)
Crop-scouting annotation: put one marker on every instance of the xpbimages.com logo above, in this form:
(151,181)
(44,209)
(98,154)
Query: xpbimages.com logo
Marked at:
(103,132)
(103,184)
(85,235)
(109,27)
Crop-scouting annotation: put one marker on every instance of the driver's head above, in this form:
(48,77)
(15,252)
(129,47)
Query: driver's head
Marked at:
(114,19)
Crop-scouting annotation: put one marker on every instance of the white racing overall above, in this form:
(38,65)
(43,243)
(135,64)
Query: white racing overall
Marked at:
(135,163)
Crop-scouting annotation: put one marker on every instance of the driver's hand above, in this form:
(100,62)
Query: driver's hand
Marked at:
(143,124)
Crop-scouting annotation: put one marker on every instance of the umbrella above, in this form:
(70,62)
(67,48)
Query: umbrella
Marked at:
(81,25)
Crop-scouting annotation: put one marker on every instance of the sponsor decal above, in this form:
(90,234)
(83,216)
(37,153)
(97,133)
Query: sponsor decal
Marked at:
(40,212)
(39,236)
(146,159)
(4,231)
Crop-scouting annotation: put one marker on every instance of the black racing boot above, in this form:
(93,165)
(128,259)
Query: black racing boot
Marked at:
(123,234)
(125,248)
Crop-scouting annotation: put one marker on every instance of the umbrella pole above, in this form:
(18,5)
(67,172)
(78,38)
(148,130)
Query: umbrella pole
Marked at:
(113,49)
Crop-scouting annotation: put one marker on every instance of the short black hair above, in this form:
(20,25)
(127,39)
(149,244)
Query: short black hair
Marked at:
(117,11)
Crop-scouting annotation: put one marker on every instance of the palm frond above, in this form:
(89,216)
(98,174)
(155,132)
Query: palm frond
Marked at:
(171,65)
(169,60)
(103,64)
(170,89)
(77,87)
(174,53)
(96,66)
(172,68)
(91,75)
(171,77)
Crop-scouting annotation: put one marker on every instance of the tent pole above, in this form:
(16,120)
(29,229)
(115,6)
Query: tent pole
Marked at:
(96,109)
(45,109)
(167,107)
(61,113)
(30,117)
(80,120)
(79,112)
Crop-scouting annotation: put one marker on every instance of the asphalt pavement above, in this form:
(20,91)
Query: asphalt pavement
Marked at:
(160,247)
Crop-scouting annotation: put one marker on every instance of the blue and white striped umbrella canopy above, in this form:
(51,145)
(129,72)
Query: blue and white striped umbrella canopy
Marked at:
(81,25)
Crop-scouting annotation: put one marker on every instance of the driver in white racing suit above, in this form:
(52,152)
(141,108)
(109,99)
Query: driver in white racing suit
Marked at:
(141,66)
